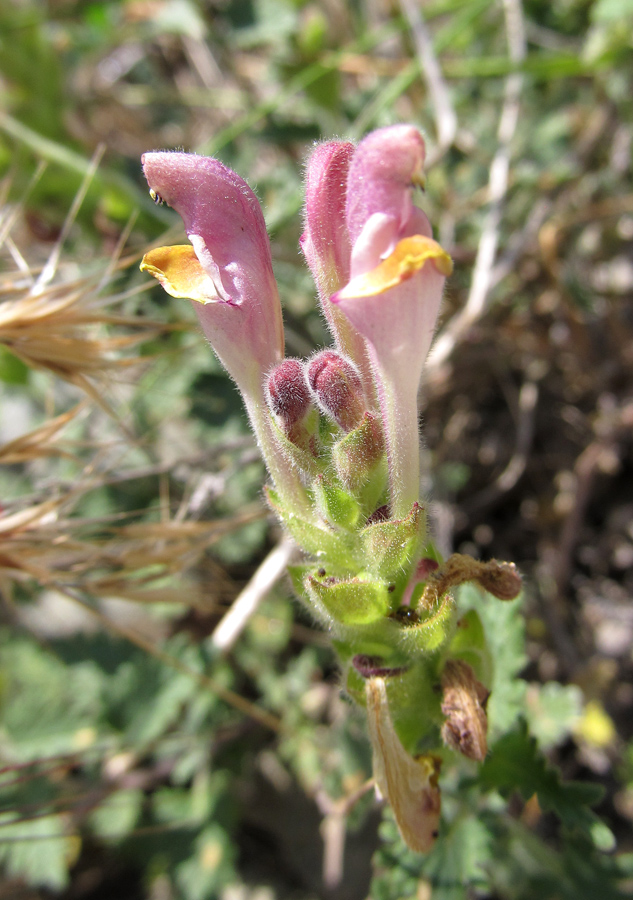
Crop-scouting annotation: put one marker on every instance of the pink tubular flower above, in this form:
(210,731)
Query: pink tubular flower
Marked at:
(397,274)
(228,271)
(228,268)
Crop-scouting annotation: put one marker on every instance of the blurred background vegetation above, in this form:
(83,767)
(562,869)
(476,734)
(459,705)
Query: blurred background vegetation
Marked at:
(137,758)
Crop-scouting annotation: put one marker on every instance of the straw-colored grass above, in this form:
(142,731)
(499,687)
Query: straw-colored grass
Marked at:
(67,325)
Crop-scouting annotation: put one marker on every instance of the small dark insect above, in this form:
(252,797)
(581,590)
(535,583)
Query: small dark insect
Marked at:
(406,615)
(321,573)
(158,200)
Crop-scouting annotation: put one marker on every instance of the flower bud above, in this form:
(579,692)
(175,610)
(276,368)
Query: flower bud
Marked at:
(325,241)
(287,394)
(337,388)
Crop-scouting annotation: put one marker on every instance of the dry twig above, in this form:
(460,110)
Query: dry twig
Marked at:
(246,603)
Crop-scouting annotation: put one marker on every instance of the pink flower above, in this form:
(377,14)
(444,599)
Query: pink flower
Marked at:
(397,274)
(228,271)
(228,267)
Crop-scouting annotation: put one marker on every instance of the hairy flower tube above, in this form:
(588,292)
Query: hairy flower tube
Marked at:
(339,434)
(227,271)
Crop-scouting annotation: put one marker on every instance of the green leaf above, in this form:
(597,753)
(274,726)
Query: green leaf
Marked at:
(211,866)
(12,369)
(46,705)
(113,819)
(37,850)
(460,858)
(611,10)
(552,710)
(455,869)
(515,764)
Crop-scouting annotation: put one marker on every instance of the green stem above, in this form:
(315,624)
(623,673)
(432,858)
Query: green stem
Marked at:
(399,408)
(285,477)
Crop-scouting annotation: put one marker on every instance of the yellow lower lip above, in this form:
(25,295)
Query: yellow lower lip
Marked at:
(180,273)
(409,257)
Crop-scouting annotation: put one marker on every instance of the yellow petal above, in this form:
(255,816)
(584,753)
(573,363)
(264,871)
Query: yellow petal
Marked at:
(409,256)
(180,273)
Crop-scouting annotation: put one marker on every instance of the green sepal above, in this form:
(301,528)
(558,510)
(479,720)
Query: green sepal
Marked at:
(303,455)
(368,639)
(338,548)
(389,548)
(434,630)
(328,433)
(414,701)
(336,505)
(351,602)
(297,574)
(415,704)
(361,463)
(355,685)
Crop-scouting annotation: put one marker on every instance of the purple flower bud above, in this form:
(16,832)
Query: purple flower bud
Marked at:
(337,388)
(287,393)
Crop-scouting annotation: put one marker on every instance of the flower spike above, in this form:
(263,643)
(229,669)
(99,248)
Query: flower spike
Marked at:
(339,434)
